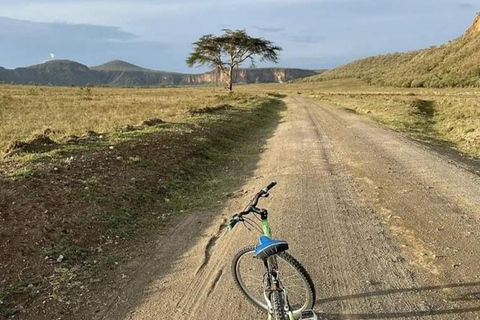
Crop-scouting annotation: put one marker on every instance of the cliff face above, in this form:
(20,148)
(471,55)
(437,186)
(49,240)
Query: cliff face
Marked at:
(246,76)
(119,73)
(209,77)
(279,75)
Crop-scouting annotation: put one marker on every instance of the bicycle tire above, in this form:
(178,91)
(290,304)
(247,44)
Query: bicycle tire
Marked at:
(278,305)
(286,257)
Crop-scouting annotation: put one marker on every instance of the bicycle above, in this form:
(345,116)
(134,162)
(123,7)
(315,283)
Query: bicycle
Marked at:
(291,298)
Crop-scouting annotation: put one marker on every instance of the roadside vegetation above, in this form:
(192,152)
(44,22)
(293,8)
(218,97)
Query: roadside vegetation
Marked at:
(446,117)
(123,163)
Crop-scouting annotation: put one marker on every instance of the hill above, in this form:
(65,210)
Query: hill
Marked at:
(55,72)
(121,73)
(119,65)
(455,64)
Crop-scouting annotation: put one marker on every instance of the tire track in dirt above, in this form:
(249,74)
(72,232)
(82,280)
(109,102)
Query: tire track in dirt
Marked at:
(208,248)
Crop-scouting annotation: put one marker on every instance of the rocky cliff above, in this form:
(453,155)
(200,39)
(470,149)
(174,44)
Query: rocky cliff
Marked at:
(245,76)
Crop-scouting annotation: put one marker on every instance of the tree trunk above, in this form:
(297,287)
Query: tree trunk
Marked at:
(230,80)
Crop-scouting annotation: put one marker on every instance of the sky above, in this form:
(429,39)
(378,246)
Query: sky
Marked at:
(314,34)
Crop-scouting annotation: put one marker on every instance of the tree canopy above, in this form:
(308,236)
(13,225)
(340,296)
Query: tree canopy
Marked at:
(228,51)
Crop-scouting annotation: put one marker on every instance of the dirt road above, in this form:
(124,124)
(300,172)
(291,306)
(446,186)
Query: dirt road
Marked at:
(387,228)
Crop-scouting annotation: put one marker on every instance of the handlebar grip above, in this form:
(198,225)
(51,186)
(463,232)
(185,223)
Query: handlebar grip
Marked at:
(270,186)
(233,222)
(231,225)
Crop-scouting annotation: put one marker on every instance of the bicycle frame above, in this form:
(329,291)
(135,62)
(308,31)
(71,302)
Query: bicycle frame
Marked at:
(271,268)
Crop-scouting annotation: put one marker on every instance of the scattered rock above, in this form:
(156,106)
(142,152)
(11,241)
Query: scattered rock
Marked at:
(60,258)
(152,122)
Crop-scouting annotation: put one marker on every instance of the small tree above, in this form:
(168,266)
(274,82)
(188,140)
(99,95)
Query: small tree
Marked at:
(228,51)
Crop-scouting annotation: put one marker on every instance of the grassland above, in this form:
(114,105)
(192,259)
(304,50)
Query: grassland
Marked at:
(29,110)
(76,210)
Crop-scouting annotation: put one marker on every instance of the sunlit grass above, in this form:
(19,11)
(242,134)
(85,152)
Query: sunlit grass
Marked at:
(29,110)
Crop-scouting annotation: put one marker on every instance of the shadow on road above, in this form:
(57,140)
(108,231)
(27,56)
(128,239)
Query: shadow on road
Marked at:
(461,297)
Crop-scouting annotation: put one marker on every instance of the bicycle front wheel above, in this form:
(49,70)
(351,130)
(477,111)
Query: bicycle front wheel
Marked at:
(249,275)
(278,305)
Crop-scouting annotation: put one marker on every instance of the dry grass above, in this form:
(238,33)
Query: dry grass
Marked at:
(454,120)
(29,110)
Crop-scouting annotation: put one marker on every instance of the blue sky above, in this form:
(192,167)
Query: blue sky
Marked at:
(158,34)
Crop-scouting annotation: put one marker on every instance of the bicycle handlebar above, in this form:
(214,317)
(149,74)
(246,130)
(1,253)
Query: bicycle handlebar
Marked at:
(270,186)
(252,206)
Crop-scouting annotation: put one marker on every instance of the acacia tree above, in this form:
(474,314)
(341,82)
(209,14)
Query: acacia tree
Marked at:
(228,51)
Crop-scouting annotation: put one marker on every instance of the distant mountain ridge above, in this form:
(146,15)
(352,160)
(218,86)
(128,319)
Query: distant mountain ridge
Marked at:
(121,73)
(119,65)
(455,64)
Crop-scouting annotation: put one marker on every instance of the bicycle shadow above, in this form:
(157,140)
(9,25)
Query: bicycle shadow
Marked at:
(465,297)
